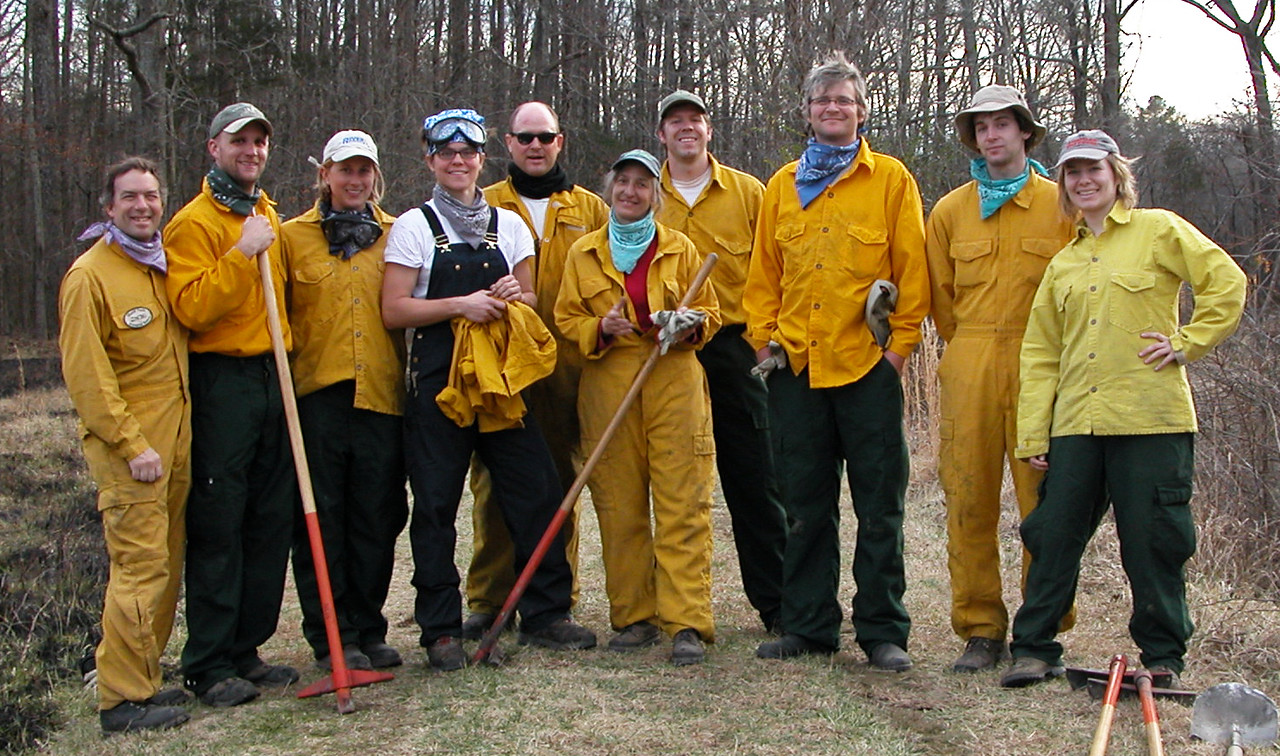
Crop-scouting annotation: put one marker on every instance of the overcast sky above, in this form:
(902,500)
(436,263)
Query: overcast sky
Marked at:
(1182,56)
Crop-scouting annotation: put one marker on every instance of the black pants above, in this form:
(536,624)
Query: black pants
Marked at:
(744,460)
(239,515)
(527,489)
(356,458)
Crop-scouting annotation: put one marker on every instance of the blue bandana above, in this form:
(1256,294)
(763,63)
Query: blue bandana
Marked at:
(628,241)
(993,193)
(819,166)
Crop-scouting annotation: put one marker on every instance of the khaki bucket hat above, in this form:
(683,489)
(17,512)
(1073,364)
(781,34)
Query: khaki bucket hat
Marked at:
(989,99)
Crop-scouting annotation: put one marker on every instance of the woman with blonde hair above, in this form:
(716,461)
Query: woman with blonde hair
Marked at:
(1105,408)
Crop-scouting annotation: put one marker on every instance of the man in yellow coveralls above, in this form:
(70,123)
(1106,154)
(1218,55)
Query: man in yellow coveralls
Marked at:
(240,512)
(988,243)
(558,212)
(716,207)
(124,360)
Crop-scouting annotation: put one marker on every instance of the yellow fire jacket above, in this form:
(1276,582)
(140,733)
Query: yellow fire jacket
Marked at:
(812,268)
(592,286)
(1080,368)
(985,272)
(722,220)
(492,363)
(570,216)
(335,308)
(124,355)
(214,288)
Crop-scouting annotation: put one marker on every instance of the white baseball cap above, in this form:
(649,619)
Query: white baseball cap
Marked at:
(348,144)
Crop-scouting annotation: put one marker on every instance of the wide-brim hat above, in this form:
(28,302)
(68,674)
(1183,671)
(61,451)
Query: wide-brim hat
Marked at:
(990,99)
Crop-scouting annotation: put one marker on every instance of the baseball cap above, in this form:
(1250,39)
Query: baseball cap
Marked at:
(989,99)
(348,144)
(680,97)
(236,116)
(1094,144)
(643,158)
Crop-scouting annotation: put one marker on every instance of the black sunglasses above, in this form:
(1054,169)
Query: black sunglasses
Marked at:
(524,137)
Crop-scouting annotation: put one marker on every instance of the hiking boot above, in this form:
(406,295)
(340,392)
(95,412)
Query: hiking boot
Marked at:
(890,657)
(232,691)
(1027,670)
(979,654)
(790,646)
(476,623)
(561,635)
(634,636)
(687,648)
(354,657)
(132,717)
(381,655)
(168,697)
(1166,677)
(271,675)
(446,654)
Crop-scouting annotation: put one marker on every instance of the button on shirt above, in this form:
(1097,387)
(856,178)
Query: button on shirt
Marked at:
(1081,373)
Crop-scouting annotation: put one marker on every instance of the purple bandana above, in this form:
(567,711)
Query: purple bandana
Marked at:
(149,253)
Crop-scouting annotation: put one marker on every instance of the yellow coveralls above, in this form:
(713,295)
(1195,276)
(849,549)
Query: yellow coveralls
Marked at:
(983,275)
(663,446)
(570,216)
(124,360)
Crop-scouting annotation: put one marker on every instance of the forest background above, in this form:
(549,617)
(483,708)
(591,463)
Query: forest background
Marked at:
(85,82)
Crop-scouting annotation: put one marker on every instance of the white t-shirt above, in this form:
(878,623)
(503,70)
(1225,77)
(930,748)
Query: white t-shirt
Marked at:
(537,212)
(691,190)
(412,244)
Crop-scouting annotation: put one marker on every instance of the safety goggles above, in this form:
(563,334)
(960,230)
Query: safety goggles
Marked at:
(525,138)
(446,127)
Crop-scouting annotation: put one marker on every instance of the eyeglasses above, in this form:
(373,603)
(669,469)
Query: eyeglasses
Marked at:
(524,137)
(466,153)
(822,102)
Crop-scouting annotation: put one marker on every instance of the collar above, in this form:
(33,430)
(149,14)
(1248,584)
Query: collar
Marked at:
(1119,215)
(717,178)
(312,215)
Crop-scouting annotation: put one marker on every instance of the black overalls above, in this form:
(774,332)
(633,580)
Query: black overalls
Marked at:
(438,454)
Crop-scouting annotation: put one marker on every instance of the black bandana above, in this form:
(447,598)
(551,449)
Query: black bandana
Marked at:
(228,192)
(539,187)
(348,231)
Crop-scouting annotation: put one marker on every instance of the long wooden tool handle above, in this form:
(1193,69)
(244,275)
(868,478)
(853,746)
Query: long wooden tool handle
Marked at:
(490,637)
(1102,735)
(1150,718)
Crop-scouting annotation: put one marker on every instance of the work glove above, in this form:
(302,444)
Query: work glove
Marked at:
(777,359)
(880,303)
(675,324)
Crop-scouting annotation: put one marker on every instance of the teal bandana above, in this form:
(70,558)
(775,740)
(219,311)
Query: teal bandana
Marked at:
(993,193)
(628,241)
(227,192)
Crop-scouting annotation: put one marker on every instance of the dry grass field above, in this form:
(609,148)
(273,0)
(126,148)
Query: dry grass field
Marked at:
(597,702)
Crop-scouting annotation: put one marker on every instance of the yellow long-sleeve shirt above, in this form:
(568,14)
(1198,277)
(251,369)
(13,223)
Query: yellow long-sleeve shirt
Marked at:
(984,272)
(812,268)
(214,288)
(124,355)
(722,220)
(1081,373)
(335,310)
(592,286)
(571,215)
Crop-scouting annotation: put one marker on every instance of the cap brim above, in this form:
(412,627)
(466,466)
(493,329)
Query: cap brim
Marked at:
(1084,153)
(346,153)
(238,124)
(654,169)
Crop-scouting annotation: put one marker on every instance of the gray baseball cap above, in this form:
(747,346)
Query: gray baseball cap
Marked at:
(1094,144)
(236,116)
(989,99)
(680,97)
(643,158)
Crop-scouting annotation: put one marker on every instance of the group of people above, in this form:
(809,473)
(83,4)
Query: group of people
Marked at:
(1058,304)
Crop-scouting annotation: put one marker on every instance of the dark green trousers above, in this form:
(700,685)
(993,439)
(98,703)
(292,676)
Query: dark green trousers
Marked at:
(816,433)
(1146,480)
(357,473)
(239,515)
(744,460)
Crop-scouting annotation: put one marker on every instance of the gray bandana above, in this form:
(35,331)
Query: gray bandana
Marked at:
(468,221)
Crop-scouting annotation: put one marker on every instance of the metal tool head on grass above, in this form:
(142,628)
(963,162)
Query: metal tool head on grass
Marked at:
(1236,714)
